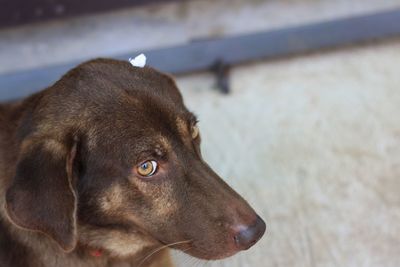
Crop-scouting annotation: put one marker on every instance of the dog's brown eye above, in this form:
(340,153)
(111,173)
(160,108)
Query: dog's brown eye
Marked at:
(147,168)
(195,131)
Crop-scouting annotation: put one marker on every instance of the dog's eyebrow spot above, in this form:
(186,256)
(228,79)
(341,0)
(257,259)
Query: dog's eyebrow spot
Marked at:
(165,145)
(182,126)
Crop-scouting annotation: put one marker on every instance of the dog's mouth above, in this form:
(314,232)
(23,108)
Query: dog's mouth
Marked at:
(237,239)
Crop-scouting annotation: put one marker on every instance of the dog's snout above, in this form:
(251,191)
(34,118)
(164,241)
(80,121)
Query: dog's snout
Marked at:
(246,236)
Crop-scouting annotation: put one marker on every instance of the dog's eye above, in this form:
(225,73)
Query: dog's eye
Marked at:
(195,131)
(147,168)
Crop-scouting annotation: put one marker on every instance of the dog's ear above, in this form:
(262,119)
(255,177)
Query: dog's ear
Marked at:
(42,195)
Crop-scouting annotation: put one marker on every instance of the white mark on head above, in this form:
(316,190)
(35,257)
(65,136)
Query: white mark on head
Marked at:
(139,61)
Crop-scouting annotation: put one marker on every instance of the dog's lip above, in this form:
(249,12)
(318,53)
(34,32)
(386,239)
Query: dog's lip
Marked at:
(201,254)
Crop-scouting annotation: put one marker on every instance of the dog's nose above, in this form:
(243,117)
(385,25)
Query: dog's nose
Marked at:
(246,237)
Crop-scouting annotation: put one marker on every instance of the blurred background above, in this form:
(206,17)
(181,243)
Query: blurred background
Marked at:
(298,101)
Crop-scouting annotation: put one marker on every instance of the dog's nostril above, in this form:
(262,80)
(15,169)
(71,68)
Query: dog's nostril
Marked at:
(247,237)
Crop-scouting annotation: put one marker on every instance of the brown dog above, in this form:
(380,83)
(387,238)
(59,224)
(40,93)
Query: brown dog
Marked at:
(104,168)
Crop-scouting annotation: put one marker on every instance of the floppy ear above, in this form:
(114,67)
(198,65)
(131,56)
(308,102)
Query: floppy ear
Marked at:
(42,196)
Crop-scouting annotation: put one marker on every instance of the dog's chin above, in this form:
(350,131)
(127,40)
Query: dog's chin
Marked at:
(209,254)
(214,257)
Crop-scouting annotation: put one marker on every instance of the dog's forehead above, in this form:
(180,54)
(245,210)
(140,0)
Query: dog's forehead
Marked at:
(110,76)
(140,101)
(111,100)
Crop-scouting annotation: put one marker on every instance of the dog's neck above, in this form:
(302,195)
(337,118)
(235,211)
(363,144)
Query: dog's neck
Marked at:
(9,118)
(10,115)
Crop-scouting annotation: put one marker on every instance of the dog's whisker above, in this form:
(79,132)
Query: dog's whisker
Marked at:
(164,247)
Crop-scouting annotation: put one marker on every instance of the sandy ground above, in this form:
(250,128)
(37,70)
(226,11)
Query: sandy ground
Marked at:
(313,143)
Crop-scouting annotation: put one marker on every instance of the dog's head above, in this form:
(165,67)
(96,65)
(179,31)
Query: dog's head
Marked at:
(110,157)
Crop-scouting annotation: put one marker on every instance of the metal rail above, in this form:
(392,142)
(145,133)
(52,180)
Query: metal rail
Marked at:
(203,55)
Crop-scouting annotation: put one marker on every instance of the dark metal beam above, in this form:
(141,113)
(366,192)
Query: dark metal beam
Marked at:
(17,12)
(202,55)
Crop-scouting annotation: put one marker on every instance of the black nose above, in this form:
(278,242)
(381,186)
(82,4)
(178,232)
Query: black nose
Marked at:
(247,237)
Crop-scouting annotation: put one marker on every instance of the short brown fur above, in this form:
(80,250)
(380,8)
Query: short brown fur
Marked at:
(68,182)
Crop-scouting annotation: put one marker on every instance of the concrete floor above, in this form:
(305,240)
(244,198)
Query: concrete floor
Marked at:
(312,142)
